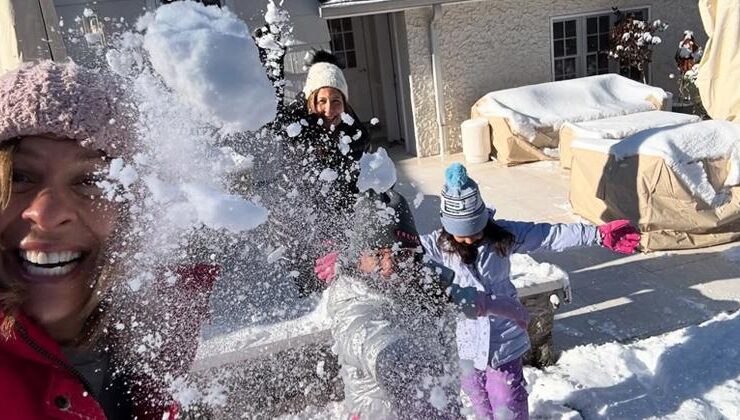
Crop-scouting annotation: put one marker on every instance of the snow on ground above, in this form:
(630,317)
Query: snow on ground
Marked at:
(549,105)
(689,374)
(627,125)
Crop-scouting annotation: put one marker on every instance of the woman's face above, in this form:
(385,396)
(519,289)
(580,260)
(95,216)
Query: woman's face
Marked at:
(54,230)
(330,105)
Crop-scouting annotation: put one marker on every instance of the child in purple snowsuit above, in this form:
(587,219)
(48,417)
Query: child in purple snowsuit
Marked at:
(477,247)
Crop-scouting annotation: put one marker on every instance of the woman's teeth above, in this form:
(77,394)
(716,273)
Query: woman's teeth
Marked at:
(49,263)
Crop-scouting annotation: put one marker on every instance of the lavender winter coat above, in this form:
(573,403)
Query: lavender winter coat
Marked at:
(494,341)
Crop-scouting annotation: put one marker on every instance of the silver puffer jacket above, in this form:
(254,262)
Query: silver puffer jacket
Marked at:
(397,353)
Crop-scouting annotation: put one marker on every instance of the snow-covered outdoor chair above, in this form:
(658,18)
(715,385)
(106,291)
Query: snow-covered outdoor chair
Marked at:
(680,184)
(525,120)
(616,128)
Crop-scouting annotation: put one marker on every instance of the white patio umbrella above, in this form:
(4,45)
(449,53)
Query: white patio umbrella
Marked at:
(719,70)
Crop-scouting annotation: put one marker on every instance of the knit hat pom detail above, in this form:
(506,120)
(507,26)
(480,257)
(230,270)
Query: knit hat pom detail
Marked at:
(456,176)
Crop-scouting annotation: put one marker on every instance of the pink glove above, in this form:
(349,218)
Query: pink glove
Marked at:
(620,236)
(503,306)
(326,267)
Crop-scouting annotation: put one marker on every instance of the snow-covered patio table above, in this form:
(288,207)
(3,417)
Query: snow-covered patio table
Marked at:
(678,183)
(616,128)
(525,120)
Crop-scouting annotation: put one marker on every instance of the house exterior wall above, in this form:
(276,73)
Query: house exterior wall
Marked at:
(499,44)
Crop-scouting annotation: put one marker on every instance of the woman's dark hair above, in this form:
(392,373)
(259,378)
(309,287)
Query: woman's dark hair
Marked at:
(501,239)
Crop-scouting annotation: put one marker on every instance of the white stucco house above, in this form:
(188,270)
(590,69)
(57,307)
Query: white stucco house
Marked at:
(417,65)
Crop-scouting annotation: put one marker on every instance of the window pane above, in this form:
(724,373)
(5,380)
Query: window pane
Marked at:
(351,60)
(340,60)
(336,43)
(604,41)
(558,68)
(569,66)
(591,67)
(571,46)
(557,30)
(570,28)
(335,25)
(347,24)
(559,49)
(592,44)
(349,41)
(592,25)
(603,63)
(604,23)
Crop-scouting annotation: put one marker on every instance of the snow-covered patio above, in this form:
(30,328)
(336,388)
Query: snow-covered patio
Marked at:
(614,297)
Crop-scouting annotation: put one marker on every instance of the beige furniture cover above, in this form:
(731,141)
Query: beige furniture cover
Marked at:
(541,103)
(719,70)
(616,128)
(646,190)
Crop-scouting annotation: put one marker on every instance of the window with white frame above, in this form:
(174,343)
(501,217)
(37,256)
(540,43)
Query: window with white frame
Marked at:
(580,44)
(343,42)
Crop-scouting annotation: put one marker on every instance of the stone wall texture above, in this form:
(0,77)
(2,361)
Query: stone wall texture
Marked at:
(498,44)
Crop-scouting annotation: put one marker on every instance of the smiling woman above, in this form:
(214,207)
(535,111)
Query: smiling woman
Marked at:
(52,230)
(60,247)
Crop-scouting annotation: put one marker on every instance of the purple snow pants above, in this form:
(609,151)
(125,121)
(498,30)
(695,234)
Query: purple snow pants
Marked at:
(498,393)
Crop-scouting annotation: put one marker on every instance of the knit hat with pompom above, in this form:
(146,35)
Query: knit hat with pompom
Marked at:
(463,211)
(65,100)
(325,72)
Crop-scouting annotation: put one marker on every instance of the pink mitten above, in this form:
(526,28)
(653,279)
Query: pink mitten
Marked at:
(620,236)
(325,267)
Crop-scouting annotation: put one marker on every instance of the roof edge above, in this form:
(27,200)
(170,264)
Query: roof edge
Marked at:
(374,7)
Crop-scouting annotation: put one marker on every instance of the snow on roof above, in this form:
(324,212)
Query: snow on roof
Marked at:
(627,125)
(684,148)
(529,108)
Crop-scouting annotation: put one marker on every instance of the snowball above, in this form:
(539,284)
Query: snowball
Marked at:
(328,175)
(293,129)
(193,48)
(377,172)
(347,119)
(275,15)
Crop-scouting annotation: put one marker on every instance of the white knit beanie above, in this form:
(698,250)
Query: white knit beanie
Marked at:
(325,75)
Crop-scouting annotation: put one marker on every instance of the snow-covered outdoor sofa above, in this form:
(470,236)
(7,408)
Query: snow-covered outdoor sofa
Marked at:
(290,365)
(680,184)
(616,128)
(525,120)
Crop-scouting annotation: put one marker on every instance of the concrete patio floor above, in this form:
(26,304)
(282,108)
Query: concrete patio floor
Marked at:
(615,297)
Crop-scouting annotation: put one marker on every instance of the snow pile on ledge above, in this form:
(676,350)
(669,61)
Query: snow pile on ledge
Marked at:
(684,148)
(526,272)
(549,105)
(627,125)
(208,56)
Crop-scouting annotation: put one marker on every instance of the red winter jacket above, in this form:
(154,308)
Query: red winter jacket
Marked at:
(37,382)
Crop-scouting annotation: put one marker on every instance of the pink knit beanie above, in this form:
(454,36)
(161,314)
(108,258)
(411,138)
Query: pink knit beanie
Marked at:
(66,101)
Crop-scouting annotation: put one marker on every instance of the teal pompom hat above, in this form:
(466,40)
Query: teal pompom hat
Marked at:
(463,211)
